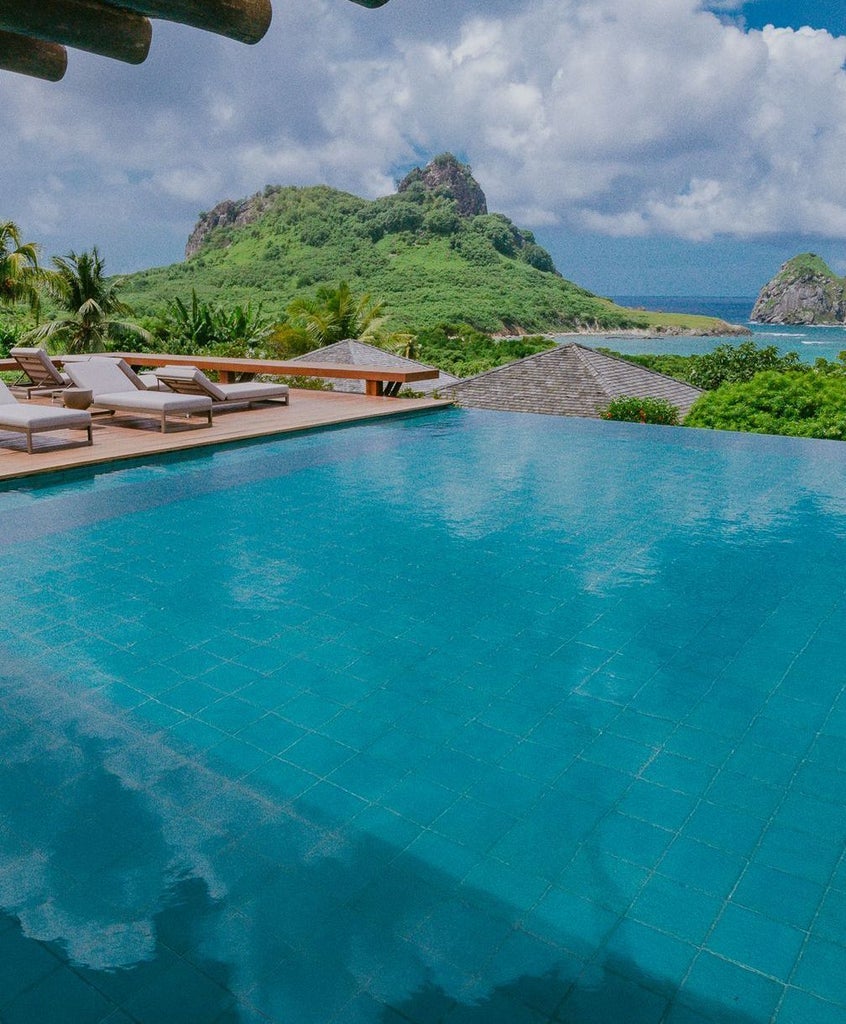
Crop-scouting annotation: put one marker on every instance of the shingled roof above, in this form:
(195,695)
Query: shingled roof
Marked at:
(34,33)
(568,380)
(359,353)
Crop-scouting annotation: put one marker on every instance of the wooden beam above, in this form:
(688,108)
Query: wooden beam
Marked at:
(244,20)
(83,24)
(32,57)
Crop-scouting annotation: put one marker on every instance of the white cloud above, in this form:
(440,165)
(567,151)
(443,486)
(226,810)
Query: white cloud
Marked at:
(597,115)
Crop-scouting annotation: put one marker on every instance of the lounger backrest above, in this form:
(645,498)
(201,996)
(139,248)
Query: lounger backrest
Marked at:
(101,375)
(137,382)
(188,380)
(38,366)
(6,396)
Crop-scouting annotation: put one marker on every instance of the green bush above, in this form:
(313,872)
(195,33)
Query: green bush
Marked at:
(795,403)
(732,364)
(642,410)
(537,257)
(443,217)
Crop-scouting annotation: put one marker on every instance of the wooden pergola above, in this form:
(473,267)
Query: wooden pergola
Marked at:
(34,34)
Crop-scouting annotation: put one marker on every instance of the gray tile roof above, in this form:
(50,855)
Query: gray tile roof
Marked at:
(359,353)
(569,380)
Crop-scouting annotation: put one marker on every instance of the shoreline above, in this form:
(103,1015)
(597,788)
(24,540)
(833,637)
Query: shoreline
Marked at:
(724,330)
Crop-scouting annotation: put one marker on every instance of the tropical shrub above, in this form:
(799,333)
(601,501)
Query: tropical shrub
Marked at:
(334,314)
(731,364)
(726,364)
(536,256)
(799,404)
(642,410)
(204,327)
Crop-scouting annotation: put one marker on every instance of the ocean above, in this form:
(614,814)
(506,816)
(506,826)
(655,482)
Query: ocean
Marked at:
(810,343)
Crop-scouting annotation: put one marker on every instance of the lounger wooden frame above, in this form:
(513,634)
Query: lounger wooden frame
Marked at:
(33,428)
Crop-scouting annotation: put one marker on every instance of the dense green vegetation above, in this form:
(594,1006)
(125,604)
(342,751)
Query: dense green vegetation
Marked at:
(411,251)
(752,388)
(463,351)
(800,403)
(642,410)
(725,364)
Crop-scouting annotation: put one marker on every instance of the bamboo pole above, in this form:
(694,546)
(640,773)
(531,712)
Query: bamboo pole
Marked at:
(82,24)
(244,20)
(32,57)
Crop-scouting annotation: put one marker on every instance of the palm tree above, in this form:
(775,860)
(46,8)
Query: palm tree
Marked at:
(20,275)
(335,314)
(92,310)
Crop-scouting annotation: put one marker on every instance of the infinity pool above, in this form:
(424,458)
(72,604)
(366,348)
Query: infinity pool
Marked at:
(471,718)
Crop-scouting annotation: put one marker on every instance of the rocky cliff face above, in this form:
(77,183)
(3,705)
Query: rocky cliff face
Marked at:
(451,178)
(444,175)
(226,214)
(804,291)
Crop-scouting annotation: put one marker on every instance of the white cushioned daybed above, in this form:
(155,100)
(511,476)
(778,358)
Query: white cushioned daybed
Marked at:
(115,391)
(31,419)
(189,380)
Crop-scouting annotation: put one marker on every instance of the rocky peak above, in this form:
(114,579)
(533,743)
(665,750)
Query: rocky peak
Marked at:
(226,214)
(804,291)
(447,176)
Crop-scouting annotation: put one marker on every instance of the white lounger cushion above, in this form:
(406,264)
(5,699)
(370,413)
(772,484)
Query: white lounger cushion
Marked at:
(41,417)
(153,401)
(30,419)
(100,375)
(185,378)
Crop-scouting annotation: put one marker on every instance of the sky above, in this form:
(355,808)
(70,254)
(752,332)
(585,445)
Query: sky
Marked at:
(664,147)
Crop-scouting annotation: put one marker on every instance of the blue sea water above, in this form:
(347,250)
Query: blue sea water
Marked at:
(811,343)
(465,718)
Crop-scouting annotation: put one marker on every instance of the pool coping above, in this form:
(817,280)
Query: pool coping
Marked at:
(125,439)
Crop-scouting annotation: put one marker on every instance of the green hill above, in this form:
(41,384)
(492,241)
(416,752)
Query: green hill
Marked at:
(431,252)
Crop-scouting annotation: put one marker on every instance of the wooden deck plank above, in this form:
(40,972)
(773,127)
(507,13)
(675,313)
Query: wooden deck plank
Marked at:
(125,437)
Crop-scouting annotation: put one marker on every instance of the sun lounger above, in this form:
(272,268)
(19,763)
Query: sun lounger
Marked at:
(142,381)
(32,419)
(114,391)
(188,380)
(39,373)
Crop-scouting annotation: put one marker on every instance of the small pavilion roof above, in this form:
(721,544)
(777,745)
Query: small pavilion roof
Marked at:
(568,380)
(34,34)
(358,353)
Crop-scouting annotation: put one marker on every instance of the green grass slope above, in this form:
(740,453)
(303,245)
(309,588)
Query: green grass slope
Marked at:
(412,250)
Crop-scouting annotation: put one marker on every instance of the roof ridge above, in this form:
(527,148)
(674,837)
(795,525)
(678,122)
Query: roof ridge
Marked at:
(581,352)
(516,362)
(646,369)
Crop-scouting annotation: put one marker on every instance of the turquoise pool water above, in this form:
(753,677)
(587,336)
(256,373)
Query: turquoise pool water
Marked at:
(467,718)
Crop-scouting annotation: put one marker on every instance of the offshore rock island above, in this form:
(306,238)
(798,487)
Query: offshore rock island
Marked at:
(805,291)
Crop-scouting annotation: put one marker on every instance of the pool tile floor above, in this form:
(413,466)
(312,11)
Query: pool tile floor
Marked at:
(447,761)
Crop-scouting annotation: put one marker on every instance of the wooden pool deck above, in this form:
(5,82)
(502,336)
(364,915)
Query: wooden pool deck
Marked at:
(127,437)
